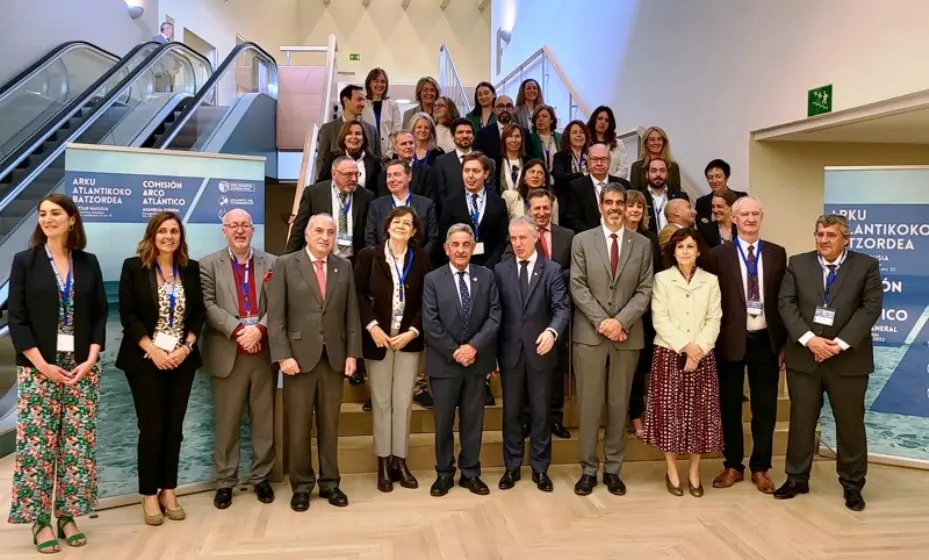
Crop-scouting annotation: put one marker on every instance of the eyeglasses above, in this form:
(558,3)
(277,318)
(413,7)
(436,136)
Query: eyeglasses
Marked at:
(599,160)
(349,173)
(237,227)
(508,106)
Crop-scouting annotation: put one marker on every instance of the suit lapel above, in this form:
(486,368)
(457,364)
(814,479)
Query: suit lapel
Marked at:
(600,243)
(261,268)
(625,246)
(818,278)
(453,280)
(227,277)
(840,276)
(736,269)
(332,273)
(309,274)
(536,276)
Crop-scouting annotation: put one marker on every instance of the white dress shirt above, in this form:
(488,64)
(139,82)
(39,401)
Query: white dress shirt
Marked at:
(313,262)
(659,201)
(530,268)
(461,154)
(824,265)
(481,203)
(609,240)
(467,279)
(757,322)
(342,250)
(507,171)
(598,185)
(362,170)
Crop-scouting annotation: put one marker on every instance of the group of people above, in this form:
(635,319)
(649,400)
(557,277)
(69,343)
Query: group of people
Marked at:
(457,256)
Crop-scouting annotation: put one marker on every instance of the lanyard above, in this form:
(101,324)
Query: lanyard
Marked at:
(172,297)
(409,198)
(752,270)
(64,287)
(401,278)
(578,162)
(547,148)
(346,208)
(830,278)
(238,274)
(514,170)
(475,215)
(659,209)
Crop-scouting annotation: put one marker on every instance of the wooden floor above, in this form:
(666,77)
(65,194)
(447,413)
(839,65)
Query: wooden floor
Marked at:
(523,523)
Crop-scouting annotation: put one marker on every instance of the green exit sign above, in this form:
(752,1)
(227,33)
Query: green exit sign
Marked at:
(819,101)
(354,57)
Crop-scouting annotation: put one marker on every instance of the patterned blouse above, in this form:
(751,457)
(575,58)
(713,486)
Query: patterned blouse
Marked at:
(164,323)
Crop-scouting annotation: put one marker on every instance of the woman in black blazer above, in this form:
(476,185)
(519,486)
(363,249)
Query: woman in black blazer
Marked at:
(721,229)
(162,312)
(354,144)
(389,279)
(570,162)
(57,320)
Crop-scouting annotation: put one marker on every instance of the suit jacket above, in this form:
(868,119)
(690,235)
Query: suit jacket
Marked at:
(685,312)
(373,170)
(448,180)
(710,233)
(598,296)
(317,199)
(375,284)
(301,322)
(516,205)
(539,150)
(563,176)
(724,262)
(381,207)
(329,143)
(422,182)
(442,324)
(671,194)
(547,306)
(487,140)
(390,122)
(33,305)
(159,38)
(138,310)
(582,208)
(639,181)
(704,207)
(560,250)
(493,230)
(221,300)
(856,297)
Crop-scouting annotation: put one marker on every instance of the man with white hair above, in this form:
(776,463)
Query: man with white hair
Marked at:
(235,354)
(315,334)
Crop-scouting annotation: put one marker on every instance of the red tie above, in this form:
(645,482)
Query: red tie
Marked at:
(614,254)
(544,243)
(321,277)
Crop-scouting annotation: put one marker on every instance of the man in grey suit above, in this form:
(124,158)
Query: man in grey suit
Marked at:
(164,76)
(611,283)
(461,316)
(315,333)
(829,300)
(399,176)
(235,354)
(352,99)
(166,33)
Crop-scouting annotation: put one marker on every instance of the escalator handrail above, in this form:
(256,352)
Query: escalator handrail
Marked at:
(117,92)
(31,144)
(47,60)
(195,103)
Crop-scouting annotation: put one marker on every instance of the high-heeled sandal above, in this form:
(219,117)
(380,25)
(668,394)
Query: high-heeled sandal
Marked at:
(47,547)
(64,521)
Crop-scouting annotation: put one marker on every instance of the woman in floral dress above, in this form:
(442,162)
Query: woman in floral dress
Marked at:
(58,311)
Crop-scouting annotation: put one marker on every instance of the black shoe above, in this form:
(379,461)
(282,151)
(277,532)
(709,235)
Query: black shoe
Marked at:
(509,479)
(441,486)
(424,400)
(585,485)
(384,482)
(558,430)
(335,496)
(614,484)
(357,378)
(542,481)
(223,498)
(790,489)
(475,485)
(527,430)
(399,472)
(366,407)
(300,501)
(264,492)
(488,396)
(853,500)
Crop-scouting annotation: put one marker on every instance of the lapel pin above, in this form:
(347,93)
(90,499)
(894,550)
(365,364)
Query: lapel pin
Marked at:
(335,270)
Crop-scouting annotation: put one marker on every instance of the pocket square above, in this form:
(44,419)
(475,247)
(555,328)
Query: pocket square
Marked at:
(267,276)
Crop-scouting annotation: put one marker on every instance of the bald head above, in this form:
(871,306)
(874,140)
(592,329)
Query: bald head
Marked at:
(678,211)
(504,109)
(238,231)
(237,215)
(598,161)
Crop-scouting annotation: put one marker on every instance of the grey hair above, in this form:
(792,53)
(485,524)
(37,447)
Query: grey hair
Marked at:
(429,119)
(829,220)
(672,204)
(338,161)
(397,134)
(320,216)
(524,221)
(739,202)
(612,188)
(459,228)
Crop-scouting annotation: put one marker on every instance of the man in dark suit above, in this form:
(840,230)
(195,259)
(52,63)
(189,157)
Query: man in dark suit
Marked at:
(829,300)
(448,166)
(166,33)
(314,330)
(461,317)
(339,197)
(423,177)
(536,310)
(658,194)
(399,175)
(752,336)
(582,211)
(488,138)
(352,99)
(717,176)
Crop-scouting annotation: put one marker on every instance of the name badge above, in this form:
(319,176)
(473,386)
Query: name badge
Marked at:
(479,248)
(754,308)
(398,312)
(65,342)
(166,341)
(824,316)
(345,240)
(250,321)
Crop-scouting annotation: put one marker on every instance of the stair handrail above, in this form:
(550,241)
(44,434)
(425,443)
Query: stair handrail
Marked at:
(450,81)
(575,101)
(307,172)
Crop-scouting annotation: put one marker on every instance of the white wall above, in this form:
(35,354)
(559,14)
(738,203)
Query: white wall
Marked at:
(405,43)
(711,71)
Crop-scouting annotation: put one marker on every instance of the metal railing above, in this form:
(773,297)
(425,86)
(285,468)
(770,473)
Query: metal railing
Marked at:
(541,66)
(450,82)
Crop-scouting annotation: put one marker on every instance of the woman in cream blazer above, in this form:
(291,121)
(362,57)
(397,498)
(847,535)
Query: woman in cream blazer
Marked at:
(535,176)
(387,120)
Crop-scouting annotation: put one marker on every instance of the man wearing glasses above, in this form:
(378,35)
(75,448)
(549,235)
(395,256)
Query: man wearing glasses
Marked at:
(582,209)
(340,198)
(488,138)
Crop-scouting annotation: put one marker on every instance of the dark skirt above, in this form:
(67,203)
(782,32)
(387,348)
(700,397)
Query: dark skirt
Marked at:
(682,408)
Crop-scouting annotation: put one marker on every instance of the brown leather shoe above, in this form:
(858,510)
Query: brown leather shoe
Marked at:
(763,482)
(727,478)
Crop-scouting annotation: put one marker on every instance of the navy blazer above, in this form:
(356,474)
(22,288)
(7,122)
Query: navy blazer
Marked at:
(422,182)
(493,229)
(33,305)
(442,326)
(487,141)
(547,306)
(317,199)
(381,207)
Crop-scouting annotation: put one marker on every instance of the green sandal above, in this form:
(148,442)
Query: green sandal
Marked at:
(44,547)
(63,522)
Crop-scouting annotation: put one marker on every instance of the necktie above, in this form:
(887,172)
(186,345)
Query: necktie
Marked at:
(475,213)
(343,217)
(753,294)
(514,175)
(321,277)
(614,253)
(544,243)
(830,278)
(465,302)
(524,279)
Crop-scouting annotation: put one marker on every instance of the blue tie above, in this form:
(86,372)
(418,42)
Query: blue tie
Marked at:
(465,303)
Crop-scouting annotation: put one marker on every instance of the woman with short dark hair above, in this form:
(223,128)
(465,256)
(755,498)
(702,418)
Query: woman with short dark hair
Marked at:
(354,144)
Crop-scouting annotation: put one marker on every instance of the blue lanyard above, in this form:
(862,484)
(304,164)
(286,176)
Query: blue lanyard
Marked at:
(409,198)
(579,161)
(238,274)
(401,278)
(63,287)
(172,296)
(346,208)
(751,270)
(830,278)
(475,216)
